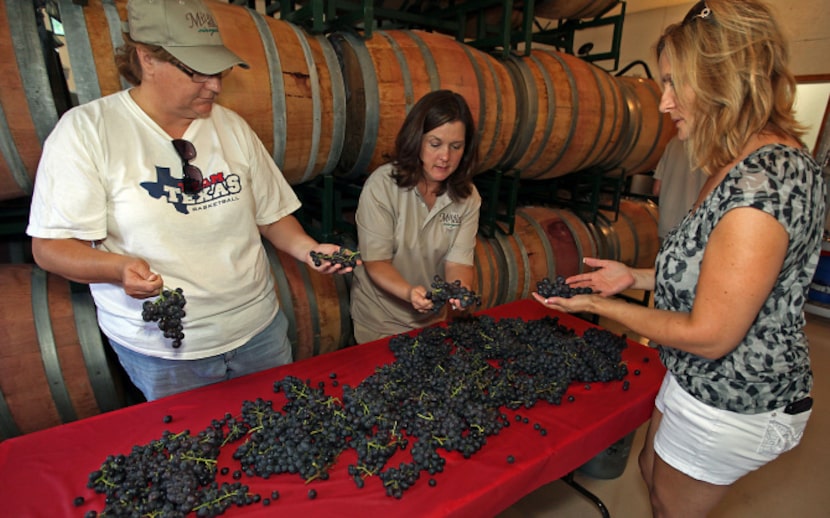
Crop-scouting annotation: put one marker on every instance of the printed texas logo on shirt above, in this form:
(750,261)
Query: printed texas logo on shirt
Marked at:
(218,189)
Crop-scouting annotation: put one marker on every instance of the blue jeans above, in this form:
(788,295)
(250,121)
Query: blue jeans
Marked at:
(158,377)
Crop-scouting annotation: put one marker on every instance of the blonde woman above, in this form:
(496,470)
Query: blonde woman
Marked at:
(730,281)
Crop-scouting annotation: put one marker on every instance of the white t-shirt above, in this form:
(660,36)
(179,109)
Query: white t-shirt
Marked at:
(109,173)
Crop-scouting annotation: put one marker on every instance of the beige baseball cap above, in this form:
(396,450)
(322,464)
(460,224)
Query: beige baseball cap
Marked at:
(184,28)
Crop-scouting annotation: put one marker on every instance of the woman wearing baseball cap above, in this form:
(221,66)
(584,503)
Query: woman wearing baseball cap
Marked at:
(157,186)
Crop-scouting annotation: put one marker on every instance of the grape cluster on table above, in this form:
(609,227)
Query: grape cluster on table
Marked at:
(558,288)
(343,256)
(168,311)
(441,292)
(448,390)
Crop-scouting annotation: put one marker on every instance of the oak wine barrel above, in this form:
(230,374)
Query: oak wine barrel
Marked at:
(572,115)
(632,237)
(316,304)
(490,268)
(647,131)
(28,108)
(570,238)
(388,73)
(54,366)
(300,109)
(529,258)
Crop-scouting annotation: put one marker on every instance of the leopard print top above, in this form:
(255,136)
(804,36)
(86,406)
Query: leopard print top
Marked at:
(771,366)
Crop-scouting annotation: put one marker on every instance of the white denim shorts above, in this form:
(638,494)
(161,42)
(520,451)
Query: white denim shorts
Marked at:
(718,446)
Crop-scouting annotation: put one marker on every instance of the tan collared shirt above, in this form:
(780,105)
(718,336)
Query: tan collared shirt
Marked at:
(395,223)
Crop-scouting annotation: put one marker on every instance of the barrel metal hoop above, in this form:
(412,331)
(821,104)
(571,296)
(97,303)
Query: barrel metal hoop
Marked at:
(278,104)
(609,144)
(92,348)
(48,349)
(577,241)
(346,331)
(371,115)
(633,228)
(284,291)
(543,237)
(551,114)
(114,24)
(584,164)
(338,91)
(316,110)
(403,66)
(481,281)
(308,289)
(660,120)
(501,260)
(574,109)
(610,237)
(429,61)
(526,109)
(512,268)
(11,155)
(28,49)
(482,101)
(80,51)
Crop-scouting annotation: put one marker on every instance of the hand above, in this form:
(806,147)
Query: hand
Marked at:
(418,299)
(455,305)
(610,277)
(575,304)
(328,266)
(138,280)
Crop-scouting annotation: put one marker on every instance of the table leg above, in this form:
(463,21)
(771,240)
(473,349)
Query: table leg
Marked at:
(569,479)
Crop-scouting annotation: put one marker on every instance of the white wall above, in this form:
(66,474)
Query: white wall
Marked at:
(806,23)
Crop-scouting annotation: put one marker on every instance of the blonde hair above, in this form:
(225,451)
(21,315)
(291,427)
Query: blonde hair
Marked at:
(733,56)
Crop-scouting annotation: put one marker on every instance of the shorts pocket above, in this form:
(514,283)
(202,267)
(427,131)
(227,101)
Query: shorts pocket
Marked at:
(783,432)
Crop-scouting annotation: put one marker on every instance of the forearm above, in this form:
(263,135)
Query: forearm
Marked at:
(643,279)
(288,235)
(389,279)
(78,261)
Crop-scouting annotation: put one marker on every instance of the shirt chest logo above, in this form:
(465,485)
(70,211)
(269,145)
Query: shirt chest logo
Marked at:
(450,220)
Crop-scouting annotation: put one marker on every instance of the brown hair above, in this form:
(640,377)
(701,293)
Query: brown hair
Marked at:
(733,56)
(127,62)
(431,111)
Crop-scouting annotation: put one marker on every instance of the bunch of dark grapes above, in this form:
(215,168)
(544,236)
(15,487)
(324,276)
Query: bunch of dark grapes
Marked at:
(344,256)
(558,288)
(170,476)
(168,311)
(444,394)
(441,291)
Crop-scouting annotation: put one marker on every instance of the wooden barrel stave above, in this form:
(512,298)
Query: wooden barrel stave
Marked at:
(489,265)
(53,366)
(316,305)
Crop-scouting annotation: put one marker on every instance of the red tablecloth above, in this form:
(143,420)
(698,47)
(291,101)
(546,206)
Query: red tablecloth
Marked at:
(43,472)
